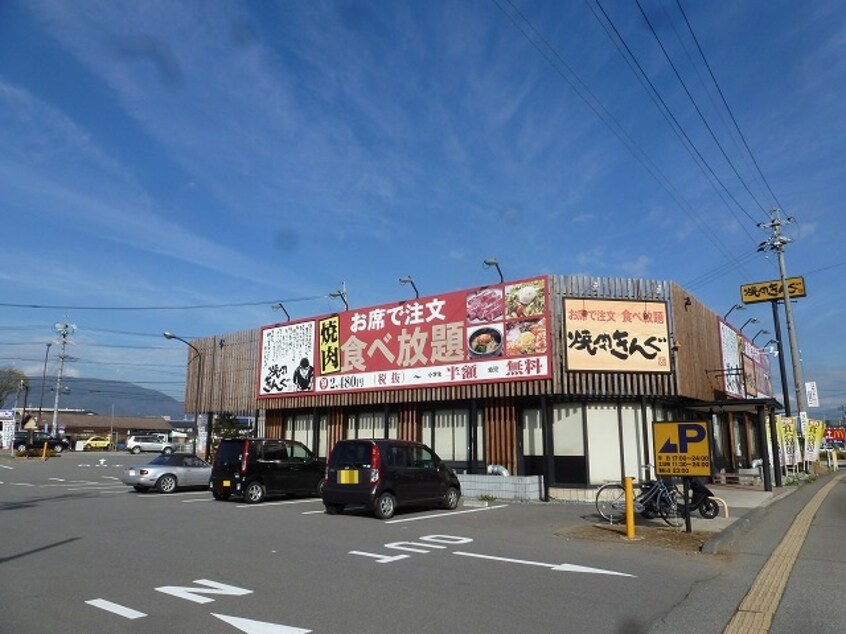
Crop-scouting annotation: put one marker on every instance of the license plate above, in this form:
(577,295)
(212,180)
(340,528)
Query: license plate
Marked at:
(227,483)
(348,476)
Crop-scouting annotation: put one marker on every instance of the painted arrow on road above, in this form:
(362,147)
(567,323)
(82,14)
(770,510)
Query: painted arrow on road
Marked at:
(557,567)
(251,626)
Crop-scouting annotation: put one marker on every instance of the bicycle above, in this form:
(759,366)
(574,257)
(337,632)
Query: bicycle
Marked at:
(655,498)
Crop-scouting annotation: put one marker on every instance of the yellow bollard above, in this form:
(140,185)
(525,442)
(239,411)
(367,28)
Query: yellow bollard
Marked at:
(44,451)
(630,525)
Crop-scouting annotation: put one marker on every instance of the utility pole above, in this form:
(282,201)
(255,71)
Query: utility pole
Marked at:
(776,242)
(64,331)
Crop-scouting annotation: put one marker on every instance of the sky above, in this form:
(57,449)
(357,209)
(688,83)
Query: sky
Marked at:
(184,166)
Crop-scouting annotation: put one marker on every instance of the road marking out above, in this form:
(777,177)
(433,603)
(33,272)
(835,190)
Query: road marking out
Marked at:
(447,514)
(5,466)
(198,500)
(116,608)
(560,567)
(312,512)
(57,479)
(258,627)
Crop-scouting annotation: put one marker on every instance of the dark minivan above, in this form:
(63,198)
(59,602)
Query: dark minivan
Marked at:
(384,474)
(255,468)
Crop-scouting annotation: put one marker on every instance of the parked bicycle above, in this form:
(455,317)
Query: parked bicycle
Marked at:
(651,499)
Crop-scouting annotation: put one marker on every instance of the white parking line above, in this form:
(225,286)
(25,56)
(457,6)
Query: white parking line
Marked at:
(6,466)
(265,504)
(447,514)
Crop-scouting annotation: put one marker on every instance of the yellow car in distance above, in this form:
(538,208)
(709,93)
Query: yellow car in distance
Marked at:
(96,443)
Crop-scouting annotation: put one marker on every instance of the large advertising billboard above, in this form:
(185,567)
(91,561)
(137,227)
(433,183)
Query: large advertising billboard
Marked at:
(494,333)
(617,335)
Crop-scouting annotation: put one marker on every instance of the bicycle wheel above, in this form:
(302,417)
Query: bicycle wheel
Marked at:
(671,510)
(611,502)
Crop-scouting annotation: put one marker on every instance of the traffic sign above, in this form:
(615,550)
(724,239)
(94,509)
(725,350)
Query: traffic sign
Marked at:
(681,448)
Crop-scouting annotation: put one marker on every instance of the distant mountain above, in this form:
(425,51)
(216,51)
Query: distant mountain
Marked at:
(99,396)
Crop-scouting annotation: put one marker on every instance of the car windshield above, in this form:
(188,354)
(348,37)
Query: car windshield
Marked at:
(229,452)
(161,459)
(352,455)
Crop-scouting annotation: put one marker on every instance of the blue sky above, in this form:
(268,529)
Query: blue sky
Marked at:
(161,155)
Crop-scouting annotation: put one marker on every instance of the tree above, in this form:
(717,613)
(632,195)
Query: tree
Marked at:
(227,426)
(10,382)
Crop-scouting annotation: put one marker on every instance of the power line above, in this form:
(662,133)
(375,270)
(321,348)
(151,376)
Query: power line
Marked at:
(725,103)
(699,112)
(152,308)
(554,59)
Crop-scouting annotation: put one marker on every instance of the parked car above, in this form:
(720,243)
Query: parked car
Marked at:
(168,472)
(384,474)
(255,468)
(96,443)
(23,441)
(137,444)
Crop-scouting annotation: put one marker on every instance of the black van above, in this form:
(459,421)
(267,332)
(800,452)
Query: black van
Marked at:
(383,474)
(254,468)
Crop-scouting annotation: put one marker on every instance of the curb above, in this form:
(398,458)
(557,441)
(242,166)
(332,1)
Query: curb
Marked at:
(722,542)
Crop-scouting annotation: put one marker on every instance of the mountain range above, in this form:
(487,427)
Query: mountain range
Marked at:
(100,396)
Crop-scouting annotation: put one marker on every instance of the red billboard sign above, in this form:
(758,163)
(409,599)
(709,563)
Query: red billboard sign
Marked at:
(493,333)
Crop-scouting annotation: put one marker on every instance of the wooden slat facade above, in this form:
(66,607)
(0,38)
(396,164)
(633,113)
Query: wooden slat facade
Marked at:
(230,373)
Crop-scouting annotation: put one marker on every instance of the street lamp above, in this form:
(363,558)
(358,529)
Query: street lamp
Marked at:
(735,307)
(493,262)
(760,332)
(343,296)
(199,358)
(751,320)
(43,381)
(407,280)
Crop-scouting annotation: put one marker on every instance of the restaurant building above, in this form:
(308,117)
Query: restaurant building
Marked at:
(559,376)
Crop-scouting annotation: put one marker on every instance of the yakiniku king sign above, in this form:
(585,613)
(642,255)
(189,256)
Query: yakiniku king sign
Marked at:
(493,333)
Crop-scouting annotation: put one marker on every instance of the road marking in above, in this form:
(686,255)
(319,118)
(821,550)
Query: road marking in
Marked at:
(258,627)
(198,500)
(557,567)
(214,587)
(264,504)
(116,608)
(447,514)
(57,479)
(6,466)
(313,512)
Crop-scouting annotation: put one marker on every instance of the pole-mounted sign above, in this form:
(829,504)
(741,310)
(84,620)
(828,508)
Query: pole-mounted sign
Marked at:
(681,448)
(771,291)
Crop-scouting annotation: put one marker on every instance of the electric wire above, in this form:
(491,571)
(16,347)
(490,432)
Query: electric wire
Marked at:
(701,115)
(675,125)
(725,103)
(590,99)
(163,308)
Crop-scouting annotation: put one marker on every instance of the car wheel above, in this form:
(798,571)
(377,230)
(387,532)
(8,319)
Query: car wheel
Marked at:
(386,505)
(254,493)
(21,448)
(166,484)
(319,492)
(167,451)
(334,509)
(58,449)
(136,450)
(220,496)
(140,489)
(451,498)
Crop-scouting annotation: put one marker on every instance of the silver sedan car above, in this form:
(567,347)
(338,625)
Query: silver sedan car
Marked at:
(166,473)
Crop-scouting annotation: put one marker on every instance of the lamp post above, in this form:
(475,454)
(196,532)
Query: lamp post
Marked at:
(43,381)
(407,280)
(760,332)
(751,320)
(343,295)
(199,358)
(493,262)
(733,308)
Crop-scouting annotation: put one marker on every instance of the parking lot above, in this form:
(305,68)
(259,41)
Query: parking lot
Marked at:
(81,551)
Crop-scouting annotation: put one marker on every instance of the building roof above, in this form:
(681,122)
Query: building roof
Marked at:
(72,422)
